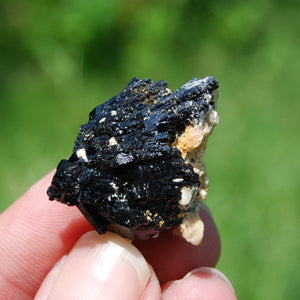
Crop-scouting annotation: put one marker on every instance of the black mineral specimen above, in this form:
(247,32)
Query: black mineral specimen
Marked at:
(136,167)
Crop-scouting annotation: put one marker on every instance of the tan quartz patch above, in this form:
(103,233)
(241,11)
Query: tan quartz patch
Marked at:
(191,228)
(192,144)
(189,140)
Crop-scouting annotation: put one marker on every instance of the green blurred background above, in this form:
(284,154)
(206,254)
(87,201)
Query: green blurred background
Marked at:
(59,59)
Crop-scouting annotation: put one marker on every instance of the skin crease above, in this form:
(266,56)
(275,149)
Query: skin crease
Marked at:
(36,233)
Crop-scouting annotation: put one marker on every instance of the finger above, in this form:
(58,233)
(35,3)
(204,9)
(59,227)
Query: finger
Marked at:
(35,233)
(202,283)
(171,257)
(100,267)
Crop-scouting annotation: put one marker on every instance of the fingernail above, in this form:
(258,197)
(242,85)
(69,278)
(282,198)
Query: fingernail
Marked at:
(210,271)
(101,267)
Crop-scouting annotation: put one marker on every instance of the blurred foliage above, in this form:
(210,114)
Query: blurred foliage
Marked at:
(59,59)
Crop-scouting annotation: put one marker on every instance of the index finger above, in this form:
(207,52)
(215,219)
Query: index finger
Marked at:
(35,233)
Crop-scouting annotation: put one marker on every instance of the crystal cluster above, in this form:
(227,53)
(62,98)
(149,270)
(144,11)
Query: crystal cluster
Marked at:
(136,167)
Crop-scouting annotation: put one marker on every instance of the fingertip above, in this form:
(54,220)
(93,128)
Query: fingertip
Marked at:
(203,283)
(105,266)
(210,271)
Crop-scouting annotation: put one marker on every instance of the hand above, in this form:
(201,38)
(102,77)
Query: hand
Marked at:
(39,237)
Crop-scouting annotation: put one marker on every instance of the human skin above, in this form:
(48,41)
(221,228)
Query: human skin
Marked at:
(49,251)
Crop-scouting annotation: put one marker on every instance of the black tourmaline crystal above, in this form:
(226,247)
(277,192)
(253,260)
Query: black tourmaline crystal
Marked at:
(136,167)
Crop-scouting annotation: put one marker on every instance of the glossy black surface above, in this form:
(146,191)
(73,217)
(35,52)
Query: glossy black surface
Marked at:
(124,180)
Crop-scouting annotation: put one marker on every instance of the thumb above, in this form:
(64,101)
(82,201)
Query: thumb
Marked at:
(98,267)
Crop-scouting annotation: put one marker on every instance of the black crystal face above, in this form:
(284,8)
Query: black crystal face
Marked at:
(126,173)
